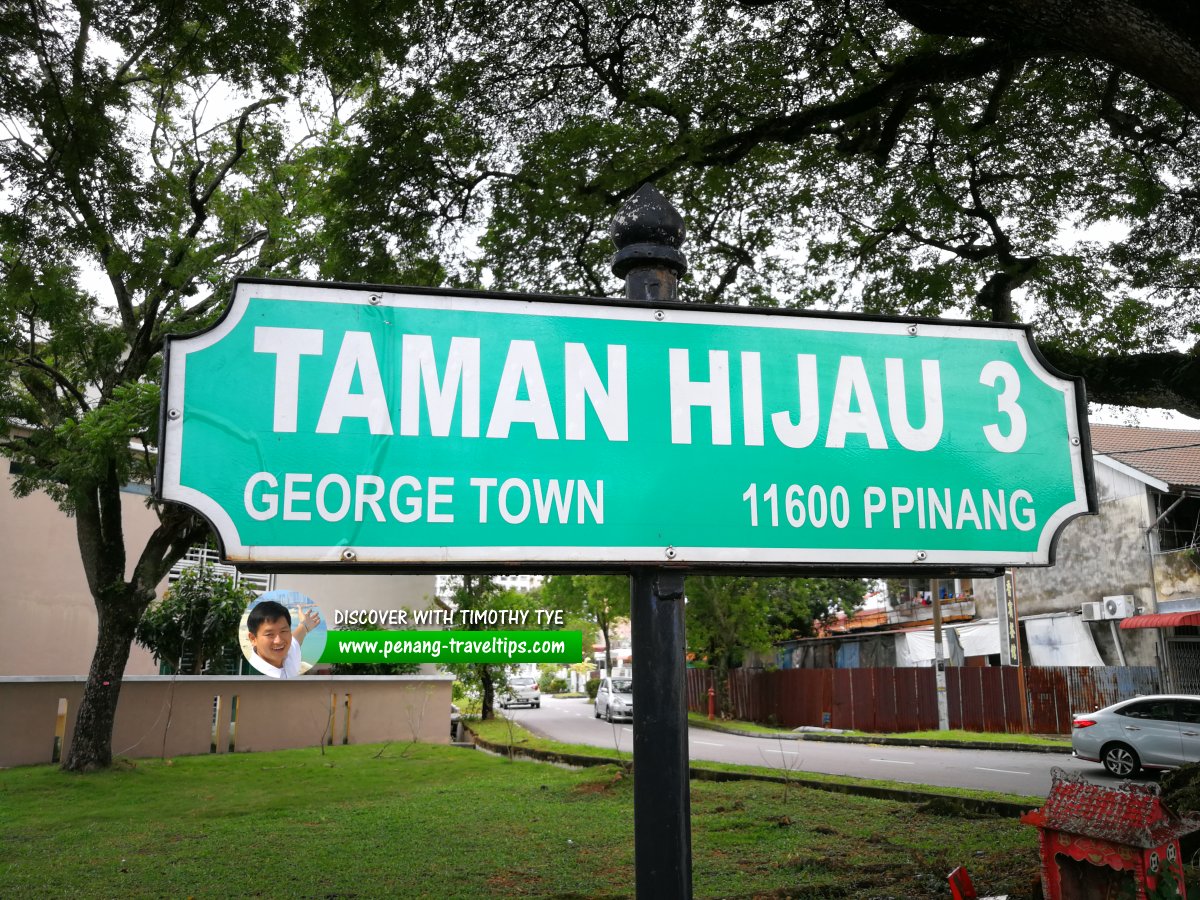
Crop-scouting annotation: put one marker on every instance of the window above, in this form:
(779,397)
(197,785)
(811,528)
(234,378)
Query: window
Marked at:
(1180,527)
(210,559)
(1160,710)
(1189,711)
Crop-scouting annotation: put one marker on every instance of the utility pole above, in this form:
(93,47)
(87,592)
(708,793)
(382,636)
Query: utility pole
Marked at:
(648,232)
(939,659)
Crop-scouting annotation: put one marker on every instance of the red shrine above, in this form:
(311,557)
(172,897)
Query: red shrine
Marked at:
(1102,842)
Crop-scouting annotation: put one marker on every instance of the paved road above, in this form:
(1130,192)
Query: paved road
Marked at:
(572,721)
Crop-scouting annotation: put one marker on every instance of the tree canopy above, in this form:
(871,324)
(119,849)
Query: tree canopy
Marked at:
(478,593)
(598,601)
(1016,161)
(148,153)
(731,616)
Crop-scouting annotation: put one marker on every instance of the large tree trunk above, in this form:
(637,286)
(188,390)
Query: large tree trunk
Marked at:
(119,603)
(1156,40)
(724,700)
(487,708)
(91,746)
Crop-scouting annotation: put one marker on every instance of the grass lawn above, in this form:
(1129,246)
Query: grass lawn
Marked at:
(444,822)
(991,737)
(984,736)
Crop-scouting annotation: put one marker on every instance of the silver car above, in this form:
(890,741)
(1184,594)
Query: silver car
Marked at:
(521,692)
(1155,732)
(614,700)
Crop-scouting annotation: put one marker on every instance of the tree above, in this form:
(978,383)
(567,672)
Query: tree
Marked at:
(600,600)
(481,593)
(149,152)
(728,616)
(197,620)
(1008,161)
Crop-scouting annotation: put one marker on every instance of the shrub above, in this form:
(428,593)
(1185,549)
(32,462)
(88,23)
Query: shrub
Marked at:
(375,669)
(551,685)
(593,688)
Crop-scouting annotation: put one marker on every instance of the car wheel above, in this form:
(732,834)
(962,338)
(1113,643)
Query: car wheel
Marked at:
(1120,760)
(608,714)
(538,705)
(596,711)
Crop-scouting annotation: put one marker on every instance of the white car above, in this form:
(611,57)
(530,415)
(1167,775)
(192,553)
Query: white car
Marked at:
(614,700)
(521,692)
(1160,731)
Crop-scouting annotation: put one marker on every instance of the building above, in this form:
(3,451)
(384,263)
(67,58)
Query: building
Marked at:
(621,651)
(1124,589)
(523,583)
(1126,581)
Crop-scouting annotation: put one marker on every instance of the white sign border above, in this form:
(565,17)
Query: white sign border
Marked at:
(612,558)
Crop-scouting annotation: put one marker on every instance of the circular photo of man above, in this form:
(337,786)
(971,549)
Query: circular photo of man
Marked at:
(282,634)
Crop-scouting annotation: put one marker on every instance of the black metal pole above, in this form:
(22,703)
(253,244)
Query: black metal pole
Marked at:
(662,809)
(648,232)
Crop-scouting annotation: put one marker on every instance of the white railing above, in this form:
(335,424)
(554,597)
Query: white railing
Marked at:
(918,612)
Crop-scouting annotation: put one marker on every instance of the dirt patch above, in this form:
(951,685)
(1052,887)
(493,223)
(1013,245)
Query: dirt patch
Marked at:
(600,786)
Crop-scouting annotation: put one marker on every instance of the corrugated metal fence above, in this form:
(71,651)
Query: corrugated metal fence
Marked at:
(905,699)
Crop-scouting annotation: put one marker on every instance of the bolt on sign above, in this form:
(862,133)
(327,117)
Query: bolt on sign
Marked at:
(317,424)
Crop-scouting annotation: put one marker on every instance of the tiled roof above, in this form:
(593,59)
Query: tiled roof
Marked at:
(1128,814)
(1168,454)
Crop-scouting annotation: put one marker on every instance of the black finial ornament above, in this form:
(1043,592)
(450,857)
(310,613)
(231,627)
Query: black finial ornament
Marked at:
(648,232)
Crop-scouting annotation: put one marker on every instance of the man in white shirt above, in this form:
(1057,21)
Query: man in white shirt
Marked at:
(276,648)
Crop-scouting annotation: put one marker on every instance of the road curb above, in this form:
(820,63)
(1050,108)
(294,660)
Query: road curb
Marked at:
(893,741)
(967,804)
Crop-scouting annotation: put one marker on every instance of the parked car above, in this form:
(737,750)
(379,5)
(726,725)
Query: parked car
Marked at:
(614,699)
(1160,731)
(521,692)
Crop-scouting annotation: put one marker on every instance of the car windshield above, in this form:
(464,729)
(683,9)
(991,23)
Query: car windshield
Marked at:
(521,682)
(622,686)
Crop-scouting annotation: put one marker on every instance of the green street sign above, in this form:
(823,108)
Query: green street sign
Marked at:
(330,424)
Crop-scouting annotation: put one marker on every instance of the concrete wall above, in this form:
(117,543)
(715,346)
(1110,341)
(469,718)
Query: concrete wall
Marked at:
(1177,575)
(49,622)
(270,714)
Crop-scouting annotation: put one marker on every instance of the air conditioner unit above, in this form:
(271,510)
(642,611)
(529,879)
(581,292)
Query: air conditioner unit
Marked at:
(1119,607)
(1092,612)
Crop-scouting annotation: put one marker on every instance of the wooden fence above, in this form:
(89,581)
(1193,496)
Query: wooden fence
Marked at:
(905,699)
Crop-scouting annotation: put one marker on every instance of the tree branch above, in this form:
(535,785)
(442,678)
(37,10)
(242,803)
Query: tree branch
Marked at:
(59,378)
(149,337)
(1156,41)
(1159,380)
(924,69)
